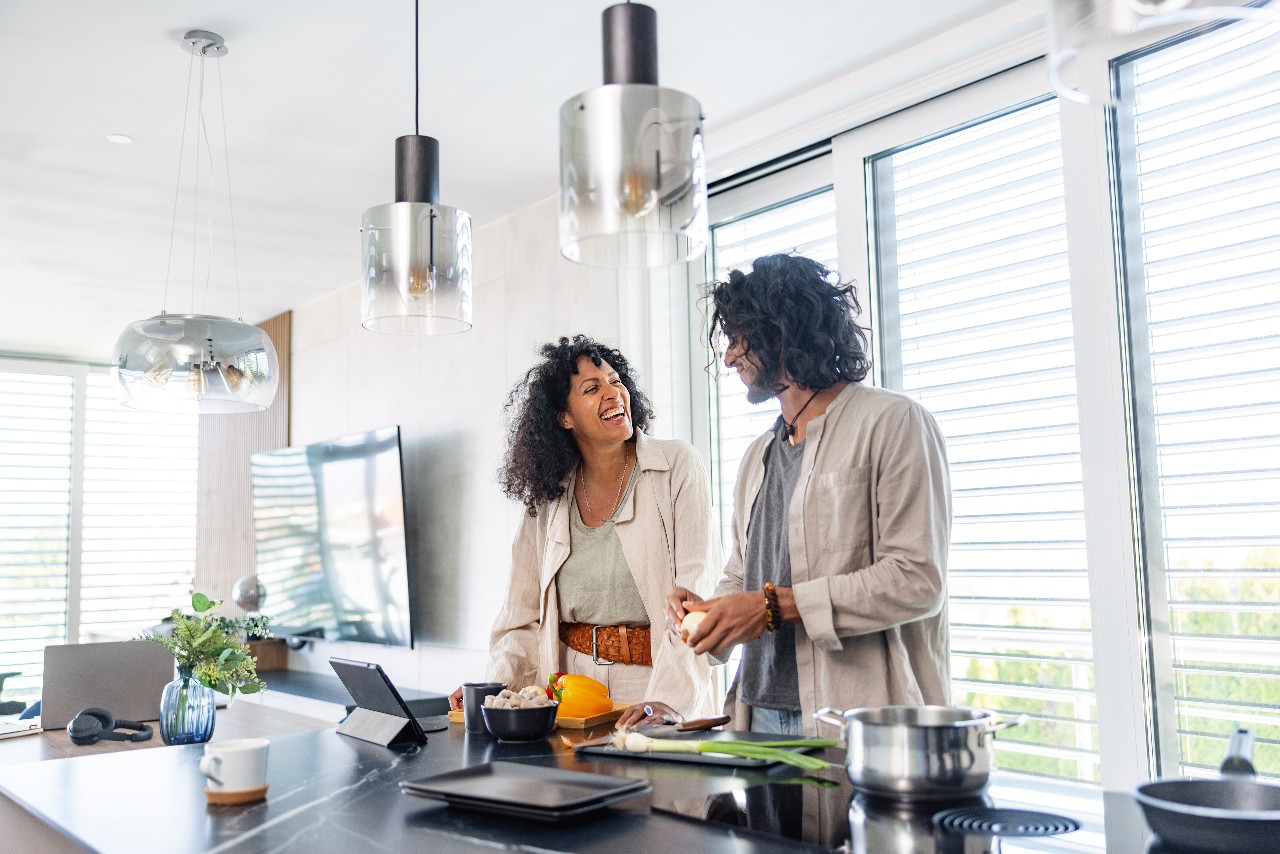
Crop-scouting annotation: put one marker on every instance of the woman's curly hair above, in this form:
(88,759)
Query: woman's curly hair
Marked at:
(540,451)
(795,318)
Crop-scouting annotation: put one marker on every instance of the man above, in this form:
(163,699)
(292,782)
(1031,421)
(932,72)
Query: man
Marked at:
(842,515)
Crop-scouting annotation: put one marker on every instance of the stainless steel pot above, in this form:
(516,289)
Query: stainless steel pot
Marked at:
(918,752)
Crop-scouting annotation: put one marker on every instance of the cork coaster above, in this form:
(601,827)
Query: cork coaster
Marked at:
(226,799)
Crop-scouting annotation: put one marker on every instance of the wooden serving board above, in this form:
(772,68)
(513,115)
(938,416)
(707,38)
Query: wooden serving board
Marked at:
(570,723)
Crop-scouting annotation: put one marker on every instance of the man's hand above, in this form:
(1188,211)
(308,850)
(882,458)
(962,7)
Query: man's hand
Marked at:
(730,620)
(676,601)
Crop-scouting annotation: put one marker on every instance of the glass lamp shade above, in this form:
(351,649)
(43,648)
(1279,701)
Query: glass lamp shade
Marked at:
(195,363)
(1085,34)
(633,178)
(417,269)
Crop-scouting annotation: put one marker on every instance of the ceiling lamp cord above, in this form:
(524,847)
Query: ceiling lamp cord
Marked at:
(416,75)
(177,190)
(231,211)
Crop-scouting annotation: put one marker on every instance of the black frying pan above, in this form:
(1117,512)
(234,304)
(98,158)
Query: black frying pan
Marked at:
(1226,816)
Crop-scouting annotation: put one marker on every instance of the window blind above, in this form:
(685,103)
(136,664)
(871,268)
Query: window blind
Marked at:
(1201,210)
(970,248)
(139,514)
(805,226)
(36,412)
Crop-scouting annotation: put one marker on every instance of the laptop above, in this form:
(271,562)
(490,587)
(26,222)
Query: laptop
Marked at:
(13,729)
(124,677)
(372,689)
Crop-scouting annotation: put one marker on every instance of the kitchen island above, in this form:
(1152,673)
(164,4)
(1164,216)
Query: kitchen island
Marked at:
(331,793)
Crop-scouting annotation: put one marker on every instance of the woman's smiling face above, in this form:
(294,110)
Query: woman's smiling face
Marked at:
(599,405)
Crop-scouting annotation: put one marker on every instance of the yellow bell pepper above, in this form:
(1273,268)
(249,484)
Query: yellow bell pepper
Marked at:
(580,696)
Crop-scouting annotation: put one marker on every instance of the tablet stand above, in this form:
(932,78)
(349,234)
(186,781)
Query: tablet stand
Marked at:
(379,728)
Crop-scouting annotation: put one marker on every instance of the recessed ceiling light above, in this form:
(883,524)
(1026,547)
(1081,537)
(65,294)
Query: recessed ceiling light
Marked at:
(119,138)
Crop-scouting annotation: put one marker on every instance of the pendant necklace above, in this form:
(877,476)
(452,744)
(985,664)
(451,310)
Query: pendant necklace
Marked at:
(789,427)
(622,480)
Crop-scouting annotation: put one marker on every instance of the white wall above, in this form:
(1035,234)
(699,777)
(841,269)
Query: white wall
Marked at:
(447,393)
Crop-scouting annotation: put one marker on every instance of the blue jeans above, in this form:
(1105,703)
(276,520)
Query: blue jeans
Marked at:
(776,721)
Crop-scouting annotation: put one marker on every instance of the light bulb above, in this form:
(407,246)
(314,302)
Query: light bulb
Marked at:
(233,377)
(420,285)
(197,382)
(158,374)
(637,192)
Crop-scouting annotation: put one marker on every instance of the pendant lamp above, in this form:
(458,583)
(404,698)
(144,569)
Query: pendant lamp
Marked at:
(1085,34)
(196,362)
(417,252)
(633,179)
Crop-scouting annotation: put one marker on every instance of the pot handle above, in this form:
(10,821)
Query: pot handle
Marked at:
(1238,762)
(991,729)
(828,715)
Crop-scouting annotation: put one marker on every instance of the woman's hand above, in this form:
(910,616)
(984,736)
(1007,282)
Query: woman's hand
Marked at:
(730,620)
(643,714)
(455,699)
(676,610)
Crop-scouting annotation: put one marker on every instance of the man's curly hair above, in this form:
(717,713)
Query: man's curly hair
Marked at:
(541,452)
(795,318)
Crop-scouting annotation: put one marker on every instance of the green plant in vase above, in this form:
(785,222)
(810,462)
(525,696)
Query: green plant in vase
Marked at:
(212,655)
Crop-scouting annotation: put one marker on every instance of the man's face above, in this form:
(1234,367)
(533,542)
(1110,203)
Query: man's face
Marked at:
(738,358)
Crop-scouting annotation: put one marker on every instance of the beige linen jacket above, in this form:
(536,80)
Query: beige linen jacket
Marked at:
(869,526)
(665,527)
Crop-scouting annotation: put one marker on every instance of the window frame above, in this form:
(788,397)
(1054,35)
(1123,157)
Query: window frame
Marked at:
(79,374)
(1121,666)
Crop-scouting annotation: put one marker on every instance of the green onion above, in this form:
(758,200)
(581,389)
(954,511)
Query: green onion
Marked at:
(770,751)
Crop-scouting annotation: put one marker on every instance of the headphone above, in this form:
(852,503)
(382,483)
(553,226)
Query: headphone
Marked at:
(93,724)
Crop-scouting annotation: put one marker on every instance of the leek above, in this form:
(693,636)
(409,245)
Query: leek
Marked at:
(770,751)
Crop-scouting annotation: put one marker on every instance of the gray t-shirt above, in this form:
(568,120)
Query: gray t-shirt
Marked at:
(767,677)
(594,584)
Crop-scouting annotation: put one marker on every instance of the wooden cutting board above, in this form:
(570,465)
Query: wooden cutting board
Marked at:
(570,723)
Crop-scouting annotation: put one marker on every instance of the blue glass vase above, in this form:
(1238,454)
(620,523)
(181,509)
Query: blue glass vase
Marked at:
(186,710)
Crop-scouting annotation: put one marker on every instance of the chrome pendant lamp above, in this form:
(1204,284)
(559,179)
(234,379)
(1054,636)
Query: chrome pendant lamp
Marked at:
(196,363)
(1084,34)
(417,252)
(633,179)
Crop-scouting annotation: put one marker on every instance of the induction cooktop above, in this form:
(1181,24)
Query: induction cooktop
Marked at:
(819,814)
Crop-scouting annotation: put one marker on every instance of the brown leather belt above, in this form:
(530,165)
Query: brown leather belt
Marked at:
(609,644)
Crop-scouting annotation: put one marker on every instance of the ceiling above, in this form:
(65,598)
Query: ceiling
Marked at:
(315,93)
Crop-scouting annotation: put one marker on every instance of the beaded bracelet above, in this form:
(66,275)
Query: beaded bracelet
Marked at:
(772,611)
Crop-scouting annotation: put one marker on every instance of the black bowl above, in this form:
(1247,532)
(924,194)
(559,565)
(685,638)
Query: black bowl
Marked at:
(520,724)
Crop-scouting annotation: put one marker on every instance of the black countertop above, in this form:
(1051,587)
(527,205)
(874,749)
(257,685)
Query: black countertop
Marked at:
(332,793)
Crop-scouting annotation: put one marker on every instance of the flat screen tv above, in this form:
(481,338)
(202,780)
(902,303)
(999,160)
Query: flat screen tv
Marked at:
(329,538)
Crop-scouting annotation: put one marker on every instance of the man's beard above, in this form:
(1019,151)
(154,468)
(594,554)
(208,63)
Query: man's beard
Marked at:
(759,391)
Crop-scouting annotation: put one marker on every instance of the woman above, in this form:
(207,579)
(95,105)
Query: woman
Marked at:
(615,520)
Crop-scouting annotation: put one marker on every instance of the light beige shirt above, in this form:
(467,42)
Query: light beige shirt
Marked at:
(666,530)
(869,527)
(594,584)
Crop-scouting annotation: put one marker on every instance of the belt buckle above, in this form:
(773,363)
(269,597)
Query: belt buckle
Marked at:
(595,649)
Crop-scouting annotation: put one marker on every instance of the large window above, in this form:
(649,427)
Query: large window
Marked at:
(1088,303)
(97,515)
(971,266)
(1201,206)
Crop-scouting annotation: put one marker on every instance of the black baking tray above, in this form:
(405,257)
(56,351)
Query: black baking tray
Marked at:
(533,791)
(701,758)
(538,813)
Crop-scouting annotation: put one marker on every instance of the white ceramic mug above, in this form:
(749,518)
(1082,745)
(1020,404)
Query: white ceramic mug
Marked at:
(237,765)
